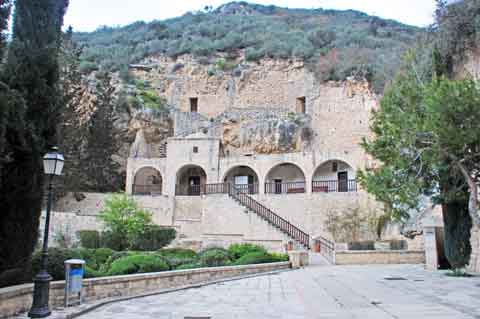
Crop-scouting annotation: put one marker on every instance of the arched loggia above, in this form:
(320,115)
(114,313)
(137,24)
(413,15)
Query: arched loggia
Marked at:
(147,181)
(285,178)
(191,180)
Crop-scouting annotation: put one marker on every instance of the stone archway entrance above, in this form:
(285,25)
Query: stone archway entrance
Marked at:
(147,181)
(191,180)
(243,178)
(285,178)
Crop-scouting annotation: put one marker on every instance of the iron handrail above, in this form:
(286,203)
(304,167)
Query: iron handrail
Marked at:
(327,248)
(264,212)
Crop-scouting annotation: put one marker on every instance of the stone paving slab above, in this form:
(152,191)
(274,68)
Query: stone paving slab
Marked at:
(340,292)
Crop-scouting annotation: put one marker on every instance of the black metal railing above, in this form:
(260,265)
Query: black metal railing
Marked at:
(202,189)
(152,189)
(267,214)
(285,188)
(327,248)
(247,188)
(334,186)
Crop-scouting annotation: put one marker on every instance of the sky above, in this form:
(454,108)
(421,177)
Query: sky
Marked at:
(88,15)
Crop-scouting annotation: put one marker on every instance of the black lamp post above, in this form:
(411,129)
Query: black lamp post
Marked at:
(52,165)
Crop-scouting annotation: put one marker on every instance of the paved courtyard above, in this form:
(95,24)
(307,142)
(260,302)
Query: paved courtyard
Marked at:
(364,292)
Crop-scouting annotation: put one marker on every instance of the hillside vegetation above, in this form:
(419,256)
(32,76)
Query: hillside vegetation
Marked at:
(336,44)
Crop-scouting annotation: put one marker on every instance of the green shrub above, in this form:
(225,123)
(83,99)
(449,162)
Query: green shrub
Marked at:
(214,257)
(115,256)
(92,273)
(177,252)
(138,264)
(89,238)
(259,257)
(102,255)
(153,238)
(55,264)
(238,250)
(113,241)
(178,256)
(124,220)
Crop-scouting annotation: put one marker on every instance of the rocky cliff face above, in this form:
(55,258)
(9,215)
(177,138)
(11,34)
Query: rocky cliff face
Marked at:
(271,106)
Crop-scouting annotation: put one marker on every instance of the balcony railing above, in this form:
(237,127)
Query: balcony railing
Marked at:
(217,188)
(285,188)
(152,189)
(334,186)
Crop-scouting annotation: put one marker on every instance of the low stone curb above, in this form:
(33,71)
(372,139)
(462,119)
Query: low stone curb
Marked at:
(74,312)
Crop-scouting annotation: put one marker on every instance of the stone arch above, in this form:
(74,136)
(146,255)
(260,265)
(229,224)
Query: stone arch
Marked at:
(243,177)
(285,178)
(190,180)
(147,181)
(334,175)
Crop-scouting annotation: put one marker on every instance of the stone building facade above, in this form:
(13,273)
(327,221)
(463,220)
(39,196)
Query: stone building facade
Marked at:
(273,131)
(268,129)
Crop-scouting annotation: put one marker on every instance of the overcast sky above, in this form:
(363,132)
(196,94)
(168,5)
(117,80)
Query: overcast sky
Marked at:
(87,15)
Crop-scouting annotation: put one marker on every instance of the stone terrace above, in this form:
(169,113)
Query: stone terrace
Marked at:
(341,292)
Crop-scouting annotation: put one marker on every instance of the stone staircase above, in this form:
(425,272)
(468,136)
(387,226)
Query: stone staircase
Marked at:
(300,237)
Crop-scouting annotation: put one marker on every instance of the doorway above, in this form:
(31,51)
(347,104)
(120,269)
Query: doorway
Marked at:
(278,186)
(194,185)
(343,181)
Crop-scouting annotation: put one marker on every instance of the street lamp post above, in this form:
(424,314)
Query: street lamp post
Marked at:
(52,165)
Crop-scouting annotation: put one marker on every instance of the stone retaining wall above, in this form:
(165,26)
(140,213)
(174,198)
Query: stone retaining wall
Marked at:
(18,299)
(359,257)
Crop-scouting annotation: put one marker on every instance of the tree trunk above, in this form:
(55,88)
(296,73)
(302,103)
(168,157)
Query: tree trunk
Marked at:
(457,223)
(474,265)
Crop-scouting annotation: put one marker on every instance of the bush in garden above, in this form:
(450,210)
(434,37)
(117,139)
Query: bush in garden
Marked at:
(238,250)
(55,264)
(113,241)
(89,238)
(153,238)
(92,273)
(124,219)
(259,257)
(138,264)
(178,256)
(178,252)
(214,257)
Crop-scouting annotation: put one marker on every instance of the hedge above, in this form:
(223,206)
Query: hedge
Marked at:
(214,257)
(259,257)
(138,264)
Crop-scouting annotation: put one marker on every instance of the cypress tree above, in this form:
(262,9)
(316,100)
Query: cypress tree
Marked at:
(102,171)
(31,74)
(5,6)
(74,117)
